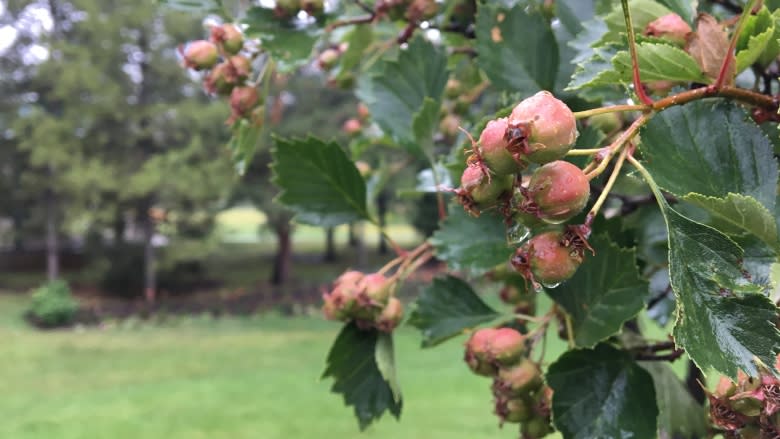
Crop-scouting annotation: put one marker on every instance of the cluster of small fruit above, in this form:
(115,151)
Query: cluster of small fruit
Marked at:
(749,408)
(539,132)
(519,392)
(367,299)
(227,71)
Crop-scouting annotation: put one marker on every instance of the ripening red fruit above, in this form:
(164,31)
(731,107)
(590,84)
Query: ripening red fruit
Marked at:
(493,148)
(376,287)
(550,126)
(560,191)
(550,261)
(220,80)
(200,55)
(229,37)
(241,67)
(670,27)
(242,101)
(352,127)
(391,315)
(484,191)
(518,381)
(362,111)
(507,346)
(478,352)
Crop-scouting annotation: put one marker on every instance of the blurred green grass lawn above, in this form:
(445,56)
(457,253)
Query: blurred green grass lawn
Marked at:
(227,378)
(200,377)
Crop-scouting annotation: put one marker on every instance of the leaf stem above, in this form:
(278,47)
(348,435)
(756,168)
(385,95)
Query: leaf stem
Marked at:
(615,147)
(580,152)
(730,56)
(607,187)
(611,109)
(569,331)
(650,182)
(640,90)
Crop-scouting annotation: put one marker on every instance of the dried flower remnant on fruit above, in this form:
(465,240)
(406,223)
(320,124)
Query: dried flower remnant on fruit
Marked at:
(548,258)
(478,190)
(542,128)
(494,149)
(229,37)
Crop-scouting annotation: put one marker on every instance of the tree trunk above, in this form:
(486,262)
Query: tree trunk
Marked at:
(353,238)
(17,220)
(330,245)
(283,258)
(119,228)
(360,246)
(52,240)
(150,258)
(381,207)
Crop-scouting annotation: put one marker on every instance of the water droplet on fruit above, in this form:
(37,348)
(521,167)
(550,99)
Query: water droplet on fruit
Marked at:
(551,285)
(517,233)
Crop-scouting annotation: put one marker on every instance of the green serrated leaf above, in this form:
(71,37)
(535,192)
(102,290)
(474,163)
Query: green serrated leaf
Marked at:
(605,292)
(447,308)
(318,182)
(602,393)
(469,243)
(659,62)
(243,144)
(710,147)
(597,70)
(519,61)
(756,34)
(684,8)
(679,415)
(738,214)
(396,90)
(424,125)
(289,44)
(722,321)
(358,41)
(384,355)
(772,49)
(642,13)
(352,363)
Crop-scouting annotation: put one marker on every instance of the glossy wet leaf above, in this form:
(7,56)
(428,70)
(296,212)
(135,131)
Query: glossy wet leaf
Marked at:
(447,308)
(602,393)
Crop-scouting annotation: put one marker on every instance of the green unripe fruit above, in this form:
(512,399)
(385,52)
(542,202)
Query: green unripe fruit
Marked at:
(484,191)
(493,148)
(560,190)
(550,261)
(453,88)
(513,410)
(518,381)
(606,122)
(536,428)
(549,125)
